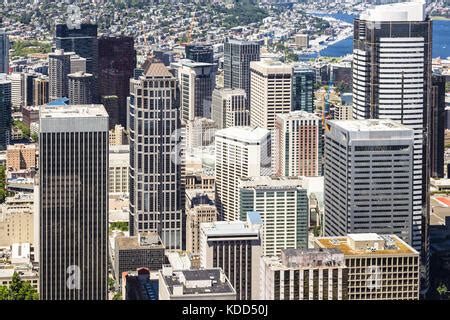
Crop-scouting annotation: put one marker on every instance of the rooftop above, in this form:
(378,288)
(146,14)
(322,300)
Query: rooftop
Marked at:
(156,69)
(229,228)
(370,125)
(73,111)
(367,244)
(196,282)
(404,11)
(297,115)
(265,182)
(141,241)
(243,134)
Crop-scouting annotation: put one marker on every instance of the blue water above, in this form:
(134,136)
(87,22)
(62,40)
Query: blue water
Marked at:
(441,42)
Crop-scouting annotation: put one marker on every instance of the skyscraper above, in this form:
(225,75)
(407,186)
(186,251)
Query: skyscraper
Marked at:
(200,53)
(4,51)
(197,81)
(271,92)
(437,126)
(229,108)
(299,144)
(156,192)
(392,80)
(58,70)
(236,248)
(236,64)
(73,202)
(117,60)
(40,90)
(80,88)
(5,112)
(283,206)
(83,41)
(368,183)
(240,152)
(303,80)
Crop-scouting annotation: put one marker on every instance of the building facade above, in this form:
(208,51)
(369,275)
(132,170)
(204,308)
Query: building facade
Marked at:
(303,81)
(299,144)
(368,183)
(229,108)
(283,206)
(156,191)
(80,88)
(73,203)
(240,152)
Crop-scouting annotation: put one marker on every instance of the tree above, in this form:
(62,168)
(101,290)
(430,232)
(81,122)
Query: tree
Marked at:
(18,290)
(117,296)
(442,291)
(111,284)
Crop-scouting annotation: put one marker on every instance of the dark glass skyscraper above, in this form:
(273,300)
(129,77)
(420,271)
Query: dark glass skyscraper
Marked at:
(5,113)
(73,203)
(437,126)
(82,41)
(303,80)
(117,60)
(200,53)
(236,64)
(156,189)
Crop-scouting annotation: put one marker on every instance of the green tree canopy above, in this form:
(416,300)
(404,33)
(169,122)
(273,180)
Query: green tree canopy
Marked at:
(18,290)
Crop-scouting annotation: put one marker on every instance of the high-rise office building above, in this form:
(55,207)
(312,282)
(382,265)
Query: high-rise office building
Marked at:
(368,183)
(73,202)
(299,144)
(240,152)
(195,216)
(283,206)
(5,112)
(236,248)
(304,274)
(77,64)
(117,60)
(196,80)
(303,80)
(392,80)
(156,190)
(4,52)
(199,53)
(236,64)
(229,108)
(271,92)
(16,89)
(437,126)
(83,41)
(380,267)
(58,70)
(40,90)
(111,104)
(28,88)
(80,88)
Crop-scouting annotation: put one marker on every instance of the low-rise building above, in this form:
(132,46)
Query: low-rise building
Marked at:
(202,284)
(21,157)
(304,274)
(380,267)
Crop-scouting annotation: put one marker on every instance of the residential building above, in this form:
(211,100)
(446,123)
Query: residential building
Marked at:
(271,92)
(80,88)
(240,152)
(299,144)
(229,108)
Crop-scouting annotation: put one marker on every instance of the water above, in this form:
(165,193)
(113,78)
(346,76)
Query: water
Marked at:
(441,43)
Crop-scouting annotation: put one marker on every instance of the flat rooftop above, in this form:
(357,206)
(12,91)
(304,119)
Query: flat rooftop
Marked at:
(394,245)
(243,134)
(149,240)
(73,111)
(404,11)
(197,282)
(228,228)
(271,182)
(370,125)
